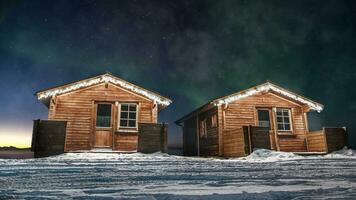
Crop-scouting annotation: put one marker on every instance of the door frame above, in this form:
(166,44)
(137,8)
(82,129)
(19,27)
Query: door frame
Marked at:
(112,122)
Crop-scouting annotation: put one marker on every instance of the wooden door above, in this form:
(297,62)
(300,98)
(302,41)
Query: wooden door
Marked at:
(266,118)
(103,130)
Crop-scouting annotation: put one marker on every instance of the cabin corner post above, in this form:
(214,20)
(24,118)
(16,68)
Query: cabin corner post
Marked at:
(34,134)
(325,141)
(275,128)
(198,134)
(221,129)
(164,137)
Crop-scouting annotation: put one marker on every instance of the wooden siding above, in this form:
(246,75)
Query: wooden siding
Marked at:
(209,146)
(190,142)
(77,108)
(243,113)
(234,143)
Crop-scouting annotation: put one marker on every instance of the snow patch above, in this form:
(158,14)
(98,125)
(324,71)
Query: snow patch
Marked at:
(343,153)
(265,155)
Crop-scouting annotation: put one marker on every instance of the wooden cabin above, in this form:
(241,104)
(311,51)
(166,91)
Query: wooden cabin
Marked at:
(218,128)
(103,112)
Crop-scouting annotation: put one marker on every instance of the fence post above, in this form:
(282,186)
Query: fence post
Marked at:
(164,138)
(249,138)
(34,134)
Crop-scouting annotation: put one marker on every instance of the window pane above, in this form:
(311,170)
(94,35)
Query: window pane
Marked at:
(132,115)
(124,115)
(132,123)
(279,119)
(124,107)
(285,113)
(263,115)
(279,112)
(132,107)
(103,116)
(263,118)
(287,127)
(280,127)
(286,119)
(123,123)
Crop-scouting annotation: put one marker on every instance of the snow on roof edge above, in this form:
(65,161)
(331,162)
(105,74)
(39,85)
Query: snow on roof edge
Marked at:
(264,88)
(105,78)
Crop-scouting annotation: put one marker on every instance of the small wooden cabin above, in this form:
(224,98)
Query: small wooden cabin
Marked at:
(212,129)
(103,112)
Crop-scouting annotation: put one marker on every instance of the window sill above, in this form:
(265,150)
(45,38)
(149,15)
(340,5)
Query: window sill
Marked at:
(290,133)
(127,130)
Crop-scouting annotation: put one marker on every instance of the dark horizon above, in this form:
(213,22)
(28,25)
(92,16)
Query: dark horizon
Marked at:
(190,51)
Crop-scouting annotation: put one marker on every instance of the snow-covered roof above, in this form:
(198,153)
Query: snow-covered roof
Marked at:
(103,78)
(265,87)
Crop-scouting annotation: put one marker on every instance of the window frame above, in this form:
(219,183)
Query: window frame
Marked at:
(203,133)
(214,121)
(119,127)
(283,123)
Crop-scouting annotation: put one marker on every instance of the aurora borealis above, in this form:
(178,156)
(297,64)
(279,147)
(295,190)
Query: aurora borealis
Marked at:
(190,51)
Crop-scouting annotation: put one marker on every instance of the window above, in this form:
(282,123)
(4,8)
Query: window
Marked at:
(128,115)
(103,115)
(214,120)
(202,129)
(283,119)
(263,118)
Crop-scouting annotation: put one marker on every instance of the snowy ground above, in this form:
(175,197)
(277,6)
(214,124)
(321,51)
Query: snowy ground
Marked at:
(262,175)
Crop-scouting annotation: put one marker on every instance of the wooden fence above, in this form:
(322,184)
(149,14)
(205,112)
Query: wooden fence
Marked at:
(152,138)
(326,140)
(234,143)
(260,137)
(48,137)
(316,141)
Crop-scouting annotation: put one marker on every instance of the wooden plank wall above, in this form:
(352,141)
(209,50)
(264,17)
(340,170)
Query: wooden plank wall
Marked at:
(48,137)
(316,141)
(77,109)
(336,138)
(243,113)
(234,143)
(190,142)
(152,137)
(260,137)
(209,146)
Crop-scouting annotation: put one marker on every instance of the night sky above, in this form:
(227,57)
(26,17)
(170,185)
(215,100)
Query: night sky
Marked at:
(190,51)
